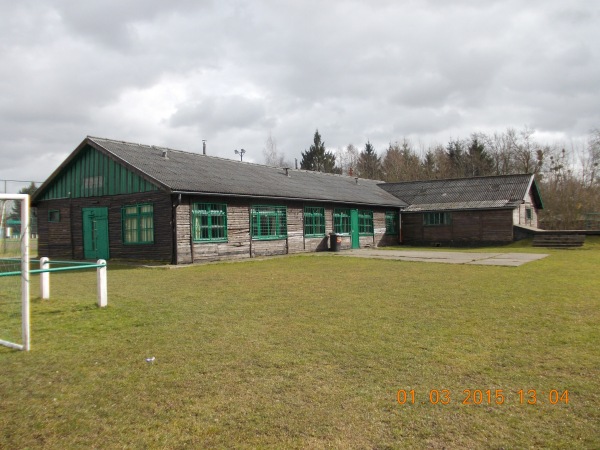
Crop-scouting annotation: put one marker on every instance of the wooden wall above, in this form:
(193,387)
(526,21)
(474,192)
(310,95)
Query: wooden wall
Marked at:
(520,215)
(239,244)
(466,228)
(64,239)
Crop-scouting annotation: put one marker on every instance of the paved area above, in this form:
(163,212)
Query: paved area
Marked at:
(484,259)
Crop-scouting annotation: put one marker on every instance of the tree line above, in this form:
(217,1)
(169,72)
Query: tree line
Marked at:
(568,176)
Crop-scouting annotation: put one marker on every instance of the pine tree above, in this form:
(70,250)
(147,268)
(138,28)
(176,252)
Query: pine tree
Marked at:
(16,210)
(369,163)
(316,158)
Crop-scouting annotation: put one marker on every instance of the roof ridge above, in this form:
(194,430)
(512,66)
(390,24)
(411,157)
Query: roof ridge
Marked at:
(187,152)
(479,177)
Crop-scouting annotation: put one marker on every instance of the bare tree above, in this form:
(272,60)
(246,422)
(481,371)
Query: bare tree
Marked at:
(272,156)
(402,163)
(347,159)
(591,160)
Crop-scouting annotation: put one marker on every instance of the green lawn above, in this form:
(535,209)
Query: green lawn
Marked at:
(309,352)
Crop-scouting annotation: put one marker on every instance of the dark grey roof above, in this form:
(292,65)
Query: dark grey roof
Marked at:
(504,191)
(196,173)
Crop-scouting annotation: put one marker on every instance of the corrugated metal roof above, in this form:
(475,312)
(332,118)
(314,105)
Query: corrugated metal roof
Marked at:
(192,172)
(465,193)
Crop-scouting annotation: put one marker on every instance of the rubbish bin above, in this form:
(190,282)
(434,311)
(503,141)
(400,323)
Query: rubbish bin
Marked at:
(335,242)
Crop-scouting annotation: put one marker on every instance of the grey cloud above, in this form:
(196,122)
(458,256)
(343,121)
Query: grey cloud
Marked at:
(233,72)
(220,113)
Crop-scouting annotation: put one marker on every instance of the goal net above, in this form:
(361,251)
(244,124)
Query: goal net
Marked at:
(14,271)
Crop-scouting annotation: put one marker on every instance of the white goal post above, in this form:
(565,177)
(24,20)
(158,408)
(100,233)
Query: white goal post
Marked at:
(24,272)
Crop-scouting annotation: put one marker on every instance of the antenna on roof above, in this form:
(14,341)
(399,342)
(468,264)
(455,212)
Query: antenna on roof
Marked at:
(241,152)
(204,146)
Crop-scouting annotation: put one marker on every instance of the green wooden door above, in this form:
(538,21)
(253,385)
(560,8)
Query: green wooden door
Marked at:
(95,233)
(354,228)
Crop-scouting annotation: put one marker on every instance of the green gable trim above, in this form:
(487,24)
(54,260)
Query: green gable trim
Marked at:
(93,174)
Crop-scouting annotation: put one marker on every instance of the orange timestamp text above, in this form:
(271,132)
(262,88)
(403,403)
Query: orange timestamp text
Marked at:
(484,397)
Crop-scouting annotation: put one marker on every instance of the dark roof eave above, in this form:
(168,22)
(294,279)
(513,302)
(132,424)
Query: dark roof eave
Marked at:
(273,197)
(487,208)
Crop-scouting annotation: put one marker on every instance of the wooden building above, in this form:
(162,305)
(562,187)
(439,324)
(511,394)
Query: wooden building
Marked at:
(468,211)
(112,199)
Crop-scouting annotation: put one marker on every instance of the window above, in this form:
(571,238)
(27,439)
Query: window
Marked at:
(92,185)
(391,222)
(341,221)
(138,224)
(209,222)
(528,214)
(365,223)
(436,218)
(314,221)
(54,215)
(268,222)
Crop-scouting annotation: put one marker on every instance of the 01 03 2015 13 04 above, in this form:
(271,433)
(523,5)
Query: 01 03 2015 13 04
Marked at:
(484,397)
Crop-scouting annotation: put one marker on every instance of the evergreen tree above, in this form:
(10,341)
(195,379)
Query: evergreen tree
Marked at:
(455,152)
(369,163)
(316,158)
(479,161)
(16,210)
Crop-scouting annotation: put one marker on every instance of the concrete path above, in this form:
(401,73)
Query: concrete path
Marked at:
(484,259)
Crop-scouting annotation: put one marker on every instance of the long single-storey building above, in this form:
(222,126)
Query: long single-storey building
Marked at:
(112,199)
(468,211)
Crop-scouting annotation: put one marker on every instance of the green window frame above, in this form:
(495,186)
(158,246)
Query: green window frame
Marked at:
(209,222)
(528,214)
(436,218)
(138,223)
(268,222)
(314,221)
(391,222)
(365,223)
(341,221)
(54,215)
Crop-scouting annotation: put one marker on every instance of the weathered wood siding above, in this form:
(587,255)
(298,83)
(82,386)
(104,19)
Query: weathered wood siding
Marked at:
(238,233)
(240,245)
(64,239)
(54,238)
(466,227)
(520,213)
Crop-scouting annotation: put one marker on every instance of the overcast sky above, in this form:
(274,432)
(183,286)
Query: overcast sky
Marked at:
(175,72)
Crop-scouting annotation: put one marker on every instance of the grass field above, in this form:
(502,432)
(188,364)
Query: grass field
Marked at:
(310,352)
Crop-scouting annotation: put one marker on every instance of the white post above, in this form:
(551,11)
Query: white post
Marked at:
(45,279)
(25,271)
(102,284)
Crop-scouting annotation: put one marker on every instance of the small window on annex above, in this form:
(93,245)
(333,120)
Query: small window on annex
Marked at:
(209,222)
(391,222)
(138,224)
(54,215)
(268,222)
(314,221)
(365,223)
(528,214)
(341,221)
(436,218)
